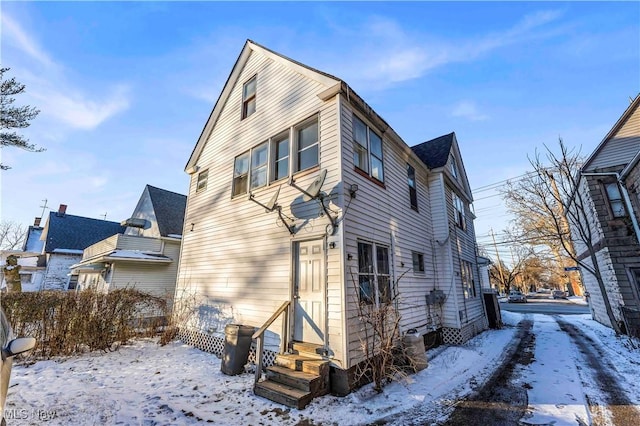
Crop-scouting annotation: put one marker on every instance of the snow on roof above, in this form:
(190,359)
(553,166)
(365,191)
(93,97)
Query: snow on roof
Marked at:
(67,251)
(136,254)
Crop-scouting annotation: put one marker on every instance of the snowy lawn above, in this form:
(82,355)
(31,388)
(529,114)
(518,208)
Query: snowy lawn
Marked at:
(147,384)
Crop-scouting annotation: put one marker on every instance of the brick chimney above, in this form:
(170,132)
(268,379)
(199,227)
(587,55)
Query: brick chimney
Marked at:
(36,222)
(62,210)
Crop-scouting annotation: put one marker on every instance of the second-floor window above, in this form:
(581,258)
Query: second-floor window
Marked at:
(367,150)
(240,174)
(307,145)
(270,161)
(615,200)
(459,211)
(249,98)
(413,193)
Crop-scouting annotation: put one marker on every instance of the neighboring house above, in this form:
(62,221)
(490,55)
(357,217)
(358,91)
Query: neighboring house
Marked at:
(455,239)
(301,194)
(65,237)
(610,182)
(145,256)
(30,259)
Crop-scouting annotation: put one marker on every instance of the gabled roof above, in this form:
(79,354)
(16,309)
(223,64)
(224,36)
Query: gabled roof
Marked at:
(169,208)
(69,232)
(249,47)
(435,153)
(616,127)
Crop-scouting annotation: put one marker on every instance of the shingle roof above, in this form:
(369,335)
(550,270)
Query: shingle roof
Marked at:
(435,153)
(76,232)
(169,208)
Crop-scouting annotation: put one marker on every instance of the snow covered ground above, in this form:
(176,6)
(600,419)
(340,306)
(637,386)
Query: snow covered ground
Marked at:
(147,384)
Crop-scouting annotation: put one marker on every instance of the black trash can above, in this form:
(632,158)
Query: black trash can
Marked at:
(237,342)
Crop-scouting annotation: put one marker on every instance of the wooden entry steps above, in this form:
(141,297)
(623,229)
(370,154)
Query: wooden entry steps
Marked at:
(295,379)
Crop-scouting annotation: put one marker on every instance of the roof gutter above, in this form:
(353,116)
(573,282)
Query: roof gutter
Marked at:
(625,196)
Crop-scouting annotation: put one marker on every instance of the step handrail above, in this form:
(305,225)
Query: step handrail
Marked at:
(259,336)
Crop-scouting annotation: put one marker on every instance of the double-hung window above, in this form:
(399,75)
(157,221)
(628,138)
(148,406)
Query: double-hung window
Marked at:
(240,174)
(367,150)
(203,178)
(615,200)
(249,98)
(280,149)
(259,165)
(459,212)
(454,166)
(307,145)
(411,180)
(374,275)
(468,283)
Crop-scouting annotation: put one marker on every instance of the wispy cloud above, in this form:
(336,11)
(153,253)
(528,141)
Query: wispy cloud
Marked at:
(469,110)
(48,84)
(390,54)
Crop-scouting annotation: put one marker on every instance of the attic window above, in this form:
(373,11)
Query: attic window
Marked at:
(203,177)
(249,98)
(454,166)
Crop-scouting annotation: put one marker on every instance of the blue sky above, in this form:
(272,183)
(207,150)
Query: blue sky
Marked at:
(125,88)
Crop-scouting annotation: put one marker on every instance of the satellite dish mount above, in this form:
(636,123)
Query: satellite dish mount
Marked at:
(313,192)
(273,205)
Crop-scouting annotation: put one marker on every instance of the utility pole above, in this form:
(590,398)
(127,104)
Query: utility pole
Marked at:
(565,224)
(44,206)
(495,246)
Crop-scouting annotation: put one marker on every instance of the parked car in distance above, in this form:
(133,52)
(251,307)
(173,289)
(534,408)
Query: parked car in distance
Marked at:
(517,297)
(559,294)
(9,347)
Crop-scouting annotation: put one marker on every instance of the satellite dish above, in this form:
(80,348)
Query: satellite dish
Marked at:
(314,189)
(272,202)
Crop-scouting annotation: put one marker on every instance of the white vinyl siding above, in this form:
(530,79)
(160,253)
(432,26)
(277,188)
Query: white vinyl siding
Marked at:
(238,257)
(381,215)
(621,147)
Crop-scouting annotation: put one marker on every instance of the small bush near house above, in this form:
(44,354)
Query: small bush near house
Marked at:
(67,323)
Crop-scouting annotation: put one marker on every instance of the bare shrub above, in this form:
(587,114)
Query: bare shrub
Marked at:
(380,340)
(182,308)
(66,323)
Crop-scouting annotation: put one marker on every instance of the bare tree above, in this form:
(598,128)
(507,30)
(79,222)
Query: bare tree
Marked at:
(505,276)
(14,117)
(554,210)
(12,235)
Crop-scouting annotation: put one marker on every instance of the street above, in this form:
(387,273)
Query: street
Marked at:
(546,306)
(554,371)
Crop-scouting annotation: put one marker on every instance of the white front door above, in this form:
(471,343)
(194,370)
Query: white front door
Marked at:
(309,294)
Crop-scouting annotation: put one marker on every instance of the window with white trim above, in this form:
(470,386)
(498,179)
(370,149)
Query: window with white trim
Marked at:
(374,274)
(249,97)
(615,200)
(259,165)
(280,154)
(240,174)
(203,178)
(459,211)
(468,283)
(413,193)
(367,150)
(307,145)
(454,166)
(418,262)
